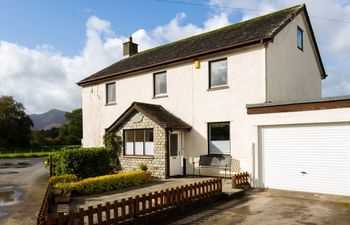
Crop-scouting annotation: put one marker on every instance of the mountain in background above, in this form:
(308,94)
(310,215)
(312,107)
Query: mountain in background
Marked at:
(48,120)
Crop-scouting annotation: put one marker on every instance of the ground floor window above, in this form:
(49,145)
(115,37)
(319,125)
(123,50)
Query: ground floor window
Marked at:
(138,142)
(219,138)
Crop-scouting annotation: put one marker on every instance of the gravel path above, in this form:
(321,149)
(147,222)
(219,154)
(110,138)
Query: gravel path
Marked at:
(27,178)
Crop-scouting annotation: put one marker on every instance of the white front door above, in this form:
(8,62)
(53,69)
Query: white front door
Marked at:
(175,147)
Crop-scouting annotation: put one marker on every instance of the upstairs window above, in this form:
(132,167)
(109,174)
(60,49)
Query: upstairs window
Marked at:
(218,73)
(110,93)
(219,138)
(300,40)
(160,84)
(138,142)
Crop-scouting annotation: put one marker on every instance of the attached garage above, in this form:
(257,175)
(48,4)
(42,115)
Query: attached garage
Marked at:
(308,158)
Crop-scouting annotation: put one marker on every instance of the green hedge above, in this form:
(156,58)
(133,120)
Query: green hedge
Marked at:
(108,183)
(84,162)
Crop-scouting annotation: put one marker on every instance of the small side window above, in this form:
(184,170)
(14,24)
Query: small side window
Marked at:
(110,93)
(300,40)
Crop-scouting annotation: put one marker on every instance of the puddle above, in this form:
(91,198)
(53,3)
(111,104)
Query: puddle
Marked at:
(19,164)
(2,214)
(9,197)
(9,172)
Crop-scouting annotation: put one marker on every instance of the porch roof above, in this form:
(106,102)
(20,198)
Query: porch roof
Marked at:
(156,113)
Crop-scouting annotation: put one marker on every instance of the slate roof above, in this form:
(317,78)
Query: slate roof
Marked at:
(257,30)
(154,112)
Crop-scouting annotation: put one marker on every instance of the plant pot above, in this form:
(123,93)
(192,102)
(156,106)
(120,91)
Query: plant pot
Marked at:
(62,199)
(149,176)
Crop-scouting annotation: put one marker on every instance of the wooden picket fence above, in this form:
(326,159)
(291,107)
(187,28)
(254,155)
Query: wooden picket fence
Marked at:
(240,180)
(44,209)
(126,209)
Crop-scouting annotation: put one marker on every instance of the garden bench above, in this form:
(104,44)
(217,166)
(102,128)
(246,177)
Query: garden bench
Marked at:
(219,161)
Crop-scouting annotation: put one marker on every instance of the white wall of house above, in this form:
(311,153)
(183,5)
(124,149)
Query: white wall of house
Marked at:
(188,98)
(292,74)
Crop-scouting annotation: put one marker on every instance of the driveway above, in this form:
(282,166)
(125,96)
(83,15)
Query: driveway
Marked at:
(272,207)
(23,184)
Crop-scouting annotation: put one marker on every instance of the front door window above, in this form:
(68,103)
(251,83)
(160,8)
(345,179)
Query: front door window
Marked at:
(174,145)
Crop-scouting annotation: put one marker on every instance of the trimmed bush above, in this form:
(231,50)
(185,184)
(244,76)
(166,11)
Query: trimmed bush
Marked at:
(108,183)
(65,178)
(85,162)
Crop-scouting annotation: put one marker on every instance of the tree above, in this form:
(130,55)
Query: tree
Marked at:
(72,130)
(15,124)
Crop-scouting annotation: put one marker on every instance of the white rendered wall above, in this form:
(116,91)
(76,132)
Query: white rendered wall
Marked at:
(188,98)
(292,74)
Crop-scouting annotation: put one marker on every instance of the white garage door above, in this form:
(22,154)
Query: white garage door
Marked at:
(310,158)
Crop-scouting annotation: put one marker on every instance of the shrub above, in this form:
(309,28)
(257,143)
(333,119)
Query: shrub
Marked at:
(143,167)
(113,144)
(65,178)
(85,162)
(108,183)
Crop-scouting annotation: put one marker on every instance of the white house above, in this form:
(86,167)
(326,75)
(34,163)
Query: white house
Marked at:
(251,90)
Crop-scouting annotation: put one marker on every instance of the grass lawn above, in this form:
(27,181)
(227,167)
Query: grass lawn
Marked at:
(26,152)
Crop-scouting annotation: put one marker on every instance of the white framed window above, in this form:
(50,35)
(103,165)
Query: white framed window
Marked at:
(300,41)
(219,138)
(110,93)
(218,73)
(138,142)
(159,84)
(129,142)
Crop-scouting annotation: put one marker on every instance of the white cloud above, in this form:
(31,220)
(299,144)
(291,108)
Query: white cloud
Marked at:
(42,78)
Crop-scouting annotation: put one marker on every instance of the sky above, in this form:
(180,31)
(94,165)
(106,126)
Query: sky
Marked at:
(47,46)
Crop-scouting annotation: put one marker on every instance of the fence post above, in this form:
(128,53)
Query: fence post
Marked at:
(99,214)
(108,213)
(50,164)
(81,216)
(116,206)
(71,217)
(91,215)
(61,218)
(137,206)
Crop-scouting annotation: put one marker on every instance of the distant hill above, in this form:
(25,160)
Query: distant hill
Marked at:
(52,118)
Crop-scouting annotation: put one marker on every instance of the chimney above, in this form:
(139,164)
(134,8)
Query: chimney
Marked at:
(129,48)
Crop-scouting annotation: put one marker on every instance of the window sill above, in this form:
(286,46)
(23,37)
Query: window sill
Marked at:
(139,156)
(218,88)
(160,96)
(112,103)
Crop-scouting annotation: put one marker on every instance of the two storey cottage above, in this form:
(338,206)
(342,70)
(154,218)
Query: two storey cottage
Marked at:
(251,90)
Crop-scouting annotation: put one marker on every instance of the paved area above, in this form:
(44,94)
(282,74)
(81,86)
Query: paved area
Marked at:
(156,185)
(272,207)
(23,183)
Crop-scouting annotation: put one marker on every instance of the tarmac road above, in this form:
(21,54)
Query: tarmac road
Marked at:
(26,179)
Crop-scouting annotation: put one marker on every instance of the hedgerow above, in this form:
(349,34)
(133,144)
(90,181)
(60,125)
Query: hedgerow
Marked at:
(106,183)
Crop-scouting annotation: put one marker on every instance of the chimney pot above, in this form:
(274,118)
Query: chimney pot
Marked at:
(130,48)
